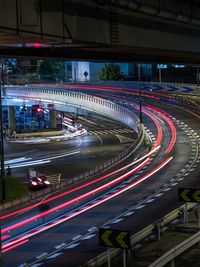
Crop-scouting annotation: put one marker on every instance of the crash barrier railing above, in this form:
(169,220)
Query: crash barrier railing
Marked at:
(141,235)
(170,256)
(84,176)
(18,91)
(170,87)
(54,179)
(76,99)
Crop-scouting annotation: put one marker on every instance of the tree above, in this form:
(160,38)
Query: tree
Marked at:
(51,69)
(111,72)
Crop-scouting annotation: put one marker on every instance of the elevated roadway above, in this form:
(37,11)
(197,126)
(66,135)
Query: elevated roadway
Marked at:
(139,200)
(104,140)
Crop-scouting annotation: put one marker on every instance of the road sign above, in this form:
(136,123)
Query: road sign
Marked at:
(189,195)
(32,173)
(114,238)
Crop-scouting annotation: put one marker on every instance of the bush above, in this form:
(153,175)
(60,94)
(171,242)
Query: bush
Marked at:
(14,188)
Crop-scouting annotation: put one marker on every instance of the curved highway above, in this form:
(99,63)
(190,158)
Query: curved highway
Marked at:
(65,233)
(95,148)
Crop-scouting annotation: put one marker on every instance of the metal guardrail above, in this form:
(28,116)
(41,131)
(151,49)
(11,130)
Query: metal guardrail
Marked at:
(119,158)
(60,186)
(141,235)
(77,99)
(170,256)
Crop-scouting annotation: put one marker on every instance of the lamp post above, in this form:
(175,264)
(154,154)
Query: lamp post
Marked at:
(160,74)
(3,193)
(140,96)
(1,139)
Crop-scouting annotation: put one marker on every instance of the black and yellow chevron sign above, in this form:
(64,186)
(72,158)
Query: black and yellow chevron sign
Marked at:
(114,238)
(189,195)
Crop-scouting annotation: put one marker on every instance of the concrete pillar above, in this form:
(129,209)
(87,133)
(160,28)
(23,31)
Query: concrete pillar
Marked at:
(52,117)
(11,118)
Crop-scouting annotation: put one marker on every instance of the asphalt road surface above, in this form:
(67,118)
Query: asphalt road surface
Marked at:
(71,239)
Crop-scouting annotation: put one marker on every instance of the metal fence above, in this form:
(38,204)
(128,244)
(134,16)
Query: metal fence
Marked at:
(139,236)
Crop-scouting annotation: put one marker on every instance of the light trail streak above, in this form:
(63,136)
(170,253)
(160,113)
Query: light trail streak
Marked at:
(77,199)
(11,247)
(80,187)
(96,203)
(171,125)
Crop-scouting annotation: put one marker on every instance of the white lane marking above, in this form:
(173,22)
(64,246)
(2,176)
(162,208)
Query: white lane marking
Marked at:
(180,179)
(106,132)
(186,174)
(54,255)
(129,213)
(87,237)
(174,184)
(121,186)
(149,200)
(92,228)
(113,190)
(160,194)
(42,255)
(60,246)
(118,220)
(22,265)
(76,237)
(37,264)
(167,189)
(140,207)
(73,245)
(101,141)
(101,132)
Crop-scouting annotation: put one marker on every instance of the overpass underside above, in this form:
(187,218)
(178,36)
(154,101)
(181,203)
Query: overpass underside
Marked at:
(121,30)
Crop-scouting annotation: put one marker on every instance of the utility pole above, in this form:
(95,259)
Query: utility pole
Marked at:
(3,193)
(160,74)
(140,95)
(1,139)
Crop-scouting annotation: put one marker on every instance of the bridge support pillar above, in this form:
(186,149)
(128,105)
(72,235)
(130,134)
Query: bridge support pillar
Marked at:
(11,118)
(52,117)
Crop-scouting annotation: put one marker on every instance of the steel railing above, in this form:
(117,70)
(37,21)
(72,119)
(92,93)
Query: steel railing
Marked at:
(140,236)
(17,91)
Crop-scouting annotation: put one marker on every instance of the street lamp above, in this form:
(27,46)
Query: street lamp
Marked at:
(3,198)
(160,74)
(3,191)
(140,96)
